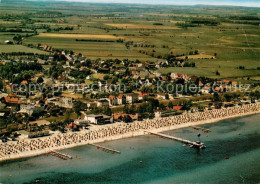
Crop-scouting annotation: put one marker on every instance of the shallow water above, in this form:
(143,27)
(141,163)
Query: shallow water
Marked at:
(163,160)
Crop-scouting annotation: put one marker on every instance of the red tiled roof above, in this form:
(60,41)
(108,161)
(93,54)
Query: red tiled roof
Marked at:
(24,82)
(120,96)
(12,100)
(143,94)
(111,97)
(177,108)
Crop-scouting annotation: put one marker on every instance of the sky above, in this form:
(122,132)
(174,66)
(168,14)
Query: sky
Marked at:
(251,3)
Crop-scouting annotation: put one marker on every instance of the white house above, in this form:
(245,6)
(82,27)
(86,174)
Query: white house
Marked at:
(99,119)
(131,98)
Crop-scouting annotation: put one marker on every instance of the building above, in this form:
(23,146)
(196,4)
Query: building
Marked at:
(131,98)
(99,119)
(121,99)
(8,42)
(142,96)
(112,100)
(66,102)
(27,108)
(134,117)
(159,114)
(11,100)
(103,103)
(162,96)
(82,123)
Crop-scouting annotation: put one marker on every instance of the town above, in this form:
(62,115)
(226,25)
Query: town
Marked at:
(66,91)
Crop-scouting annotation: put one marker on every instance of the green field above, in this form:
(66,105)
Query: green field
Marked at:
(19,48)
(149,33)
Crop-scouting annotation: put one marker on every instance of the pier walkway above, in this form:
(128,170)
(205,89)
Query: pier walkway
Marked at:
(195,144)
(105,148)
(201,128)
(62,156)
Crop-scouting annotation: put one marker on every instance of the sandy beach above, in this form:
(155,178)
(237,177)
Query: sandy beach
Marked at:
(137,129)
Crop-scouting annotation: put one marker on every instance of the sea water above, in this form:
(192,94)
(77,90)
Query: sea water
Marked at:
(150,159)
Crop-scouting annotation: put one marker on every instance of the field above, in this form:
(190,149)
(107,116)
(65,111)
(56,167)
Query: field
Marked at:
(140,26)
(225,38)
(76,36)
(19,48)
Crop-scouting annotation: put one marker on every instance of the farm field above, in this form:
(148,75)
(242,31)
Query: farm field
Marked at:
(19,48)
(225,38)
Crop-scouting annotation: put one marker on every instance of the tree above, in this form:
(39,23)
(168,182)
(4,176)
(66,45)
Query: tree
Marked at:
(170,105)
(40,80)
(216,97)
(18,39)
(78,106)
(127,119)
(187,105)
(106,77)
(167,96)
(1,85)
(107,111)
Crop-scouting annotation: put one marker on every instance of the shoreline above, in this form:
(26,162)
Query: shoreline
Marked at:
(123,136)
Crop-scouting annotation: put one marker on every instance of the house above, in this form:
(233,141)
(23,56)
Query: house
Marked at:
(167,113)
(8,42)
(103,103)
(205,90)
(66,102)
(3,95)
(218,89)
(142,96)
(174,76)
(177,108)
(121,99)
(162,96)
(27,108)
(226,81)
(234,83)
(81,122)
(131,98)
(134,117)
(2,115)
(24,82)
(112,100)
(41,61)
(99,119)
(11,100)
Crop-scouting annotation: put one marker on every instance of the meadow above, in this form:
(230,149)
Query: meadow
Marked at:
(225,37)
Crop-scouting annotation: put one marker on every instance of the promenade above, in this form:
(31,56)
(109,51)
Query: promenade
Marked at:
(33,147)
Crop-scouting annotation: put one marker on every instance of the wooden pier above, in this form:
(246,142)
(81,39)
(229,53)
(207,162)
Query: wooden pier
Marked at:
(201,128)
(62,156)
(192,144)
(105,149)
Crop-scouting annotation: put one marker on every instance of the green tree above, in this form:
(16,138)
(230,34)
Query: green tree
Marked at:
(78,106)
(127,119)
(40,80)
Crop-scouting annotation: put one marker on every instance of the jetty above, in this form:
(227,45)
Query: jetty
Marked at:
(62,156)
(201,128)
(192,144)
(105,148)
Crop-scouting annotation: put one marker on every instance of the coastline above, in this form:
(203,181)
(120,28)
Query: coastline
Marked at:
(123,136)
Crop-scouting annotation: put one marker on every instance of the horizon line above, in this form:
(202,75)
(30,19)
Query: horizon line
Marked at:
(234,4)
